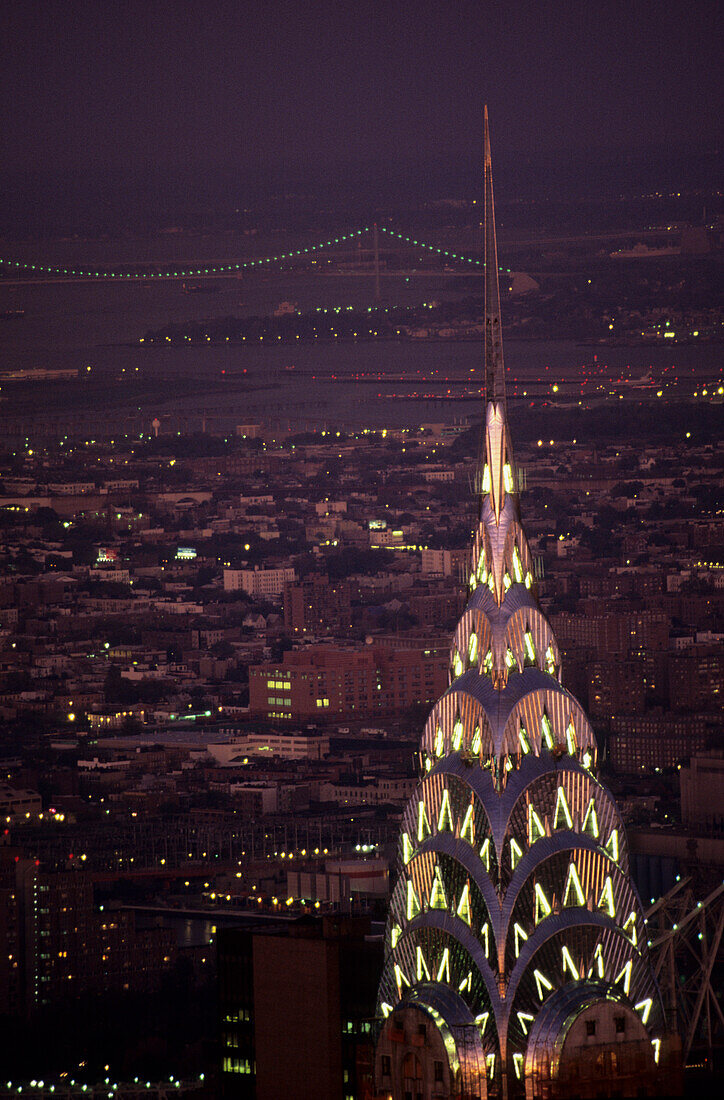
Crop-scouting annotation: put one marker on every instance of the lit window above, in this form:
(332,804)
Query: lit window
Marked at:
(569,965)
(611,846)
(571,739)
(467,829)
(590,820)
(423,825)
(542,984)
(573,887)
(438,899)
(606,899)
(463,909)
(444,820)
(542,905)
(535,825)
(517,567)
(562,811)
(413,903)
(421,965)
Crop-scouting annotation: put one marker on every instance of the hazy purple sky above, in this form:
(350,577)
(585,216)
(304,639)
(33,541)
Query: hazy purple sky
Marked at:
(110,84)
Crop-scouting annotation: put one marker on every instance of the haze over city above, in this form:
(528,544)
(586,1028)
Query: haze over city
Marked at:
(362,564)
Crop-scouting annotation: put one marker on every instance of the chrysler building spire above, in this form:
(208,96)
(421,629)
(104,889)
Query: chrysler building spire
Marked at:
(515,947)
(494,366)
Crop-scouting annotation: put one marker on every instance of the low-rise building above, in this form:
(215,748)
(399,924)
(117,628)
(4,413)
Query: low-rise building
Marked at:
(260,583)
(291,746)
(324,680)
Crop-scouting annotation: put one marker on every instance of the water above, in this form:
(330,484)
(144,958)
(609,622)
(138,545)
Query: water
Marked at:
(199,931)
(98,325)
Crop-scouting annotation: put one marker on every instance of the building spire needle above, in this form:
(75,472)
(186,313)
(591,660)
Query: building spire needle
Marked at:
(494,366)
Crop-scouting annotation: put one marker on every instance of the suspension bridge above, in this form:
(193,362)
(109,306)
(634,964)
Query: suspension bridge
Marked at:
(159,271)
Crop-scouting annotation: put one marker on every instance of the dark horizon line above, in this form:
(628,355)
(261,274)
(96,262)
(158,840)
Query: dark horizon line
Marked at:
(504,156)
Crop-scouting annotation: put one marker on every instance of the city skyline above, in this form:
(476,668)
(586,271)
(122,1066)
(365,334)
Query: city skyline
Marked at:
(294,709)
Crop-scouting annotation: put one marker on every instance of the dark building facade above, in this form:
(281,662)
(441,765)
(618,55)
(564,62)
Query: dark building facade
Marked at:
(317,606)
(61,947)
(297,1010)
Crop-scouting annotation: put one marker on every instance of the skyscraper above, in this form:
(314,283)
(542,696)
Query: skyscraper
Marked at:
(515,958)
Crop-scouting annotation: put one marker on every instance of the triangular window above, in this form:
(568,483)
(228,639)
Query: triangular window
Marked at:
(519,937)
(400,979)
(590,819)
(546,731)
(542,905)
(463,909)
(625,975)
(562,811)
(611,845)
(517,567)
(571,739)
(438,899)
(606,901)
(473,648)
(444,818)
(597,964)
(413,902)
(573,891)
(535,825)
(568,964)
(542,984)
(423,825)
(443,972)
(467,829)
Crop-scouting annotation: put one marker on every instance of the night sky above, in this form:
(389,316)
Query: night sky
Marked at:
(125,84)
